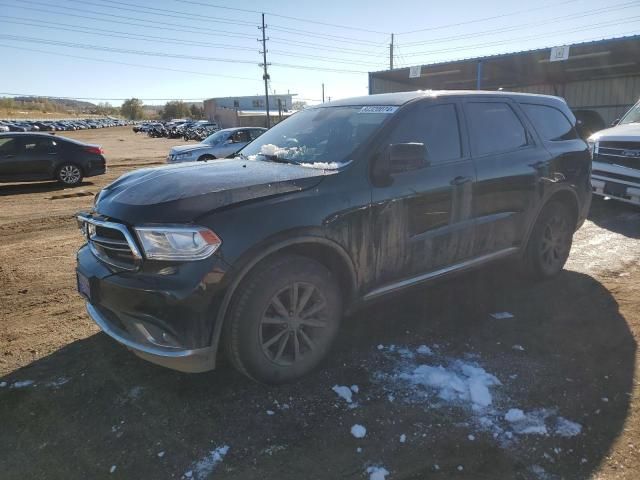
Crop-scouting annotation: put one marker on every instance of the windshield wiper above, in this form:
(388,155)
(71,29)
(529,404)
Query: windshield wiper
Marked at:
(277,159)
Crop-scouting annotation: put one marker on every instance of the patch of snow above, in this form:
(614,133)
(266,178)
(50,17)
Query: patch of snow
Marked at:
(424,350)
(3,384)
(206,465)
(539,472)
(135,392)
(160,454)
(583,461)
(270,412)
(566,428)
(112,469)
(436,467)
(22,384)
(403,438)
(460,468)
(605,399)
(343,392)
(323,165)
(358,431)
(391,398)
(377,473)
(355,389)
(57,383)
(359,450)
(471,437)
(514,415)
(502,315)
(380,347)
(518,347)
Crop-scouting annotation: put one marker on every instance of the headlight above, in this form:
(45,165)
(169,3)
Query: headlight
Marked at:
(177,243)
(182,156)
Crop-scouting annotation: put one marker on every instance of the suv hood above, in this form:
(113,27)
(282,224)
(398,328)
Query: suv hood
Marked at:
(183,192)
(628,132)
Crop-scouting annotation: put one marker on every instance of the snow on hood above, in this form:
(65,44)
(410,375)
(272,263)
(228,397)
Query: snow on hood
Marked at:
(629,132)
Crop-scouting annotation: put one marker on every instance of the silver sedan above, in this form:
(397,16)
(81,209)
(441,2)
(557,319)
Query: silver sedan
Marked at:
(218,145)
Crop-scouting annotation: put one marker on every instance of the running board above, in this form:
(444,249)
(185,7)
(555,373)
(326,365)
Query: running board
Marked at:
(474,262)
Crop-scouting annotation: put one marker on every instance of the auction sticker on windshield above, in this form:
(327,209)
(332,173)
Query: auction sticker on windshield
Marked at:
(378,109)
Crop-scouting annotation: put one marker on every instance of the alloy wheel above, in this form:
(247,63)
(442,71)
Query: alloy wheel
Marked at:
(555,244)
(293,324)
(70,174)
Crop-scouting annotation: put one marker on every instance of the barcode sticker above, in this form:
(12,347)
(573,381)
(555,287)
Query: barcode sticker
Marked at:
(378,109)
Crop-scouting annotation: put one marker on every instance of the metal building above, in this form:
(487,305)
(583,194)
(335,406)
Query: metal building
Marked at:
(601,76)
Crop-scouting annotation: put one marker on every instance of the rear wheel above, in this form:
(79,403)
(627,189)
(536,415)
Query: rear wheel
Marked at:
(550,242)
(69,174)
(284,320)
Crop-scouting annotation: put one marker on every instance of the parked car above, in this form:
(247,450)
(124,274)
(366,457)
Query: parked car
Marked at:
(28,157)
(588,122)
(616,159)
(337,206)
(219,145)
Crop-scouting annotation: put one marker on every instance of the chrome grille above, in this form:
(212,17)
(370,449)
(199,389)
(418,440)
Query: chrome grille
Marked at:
(111,242)
(624,154)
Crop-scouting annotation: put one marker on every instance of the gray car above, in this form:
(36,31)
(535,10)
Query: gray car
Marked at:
(217,145)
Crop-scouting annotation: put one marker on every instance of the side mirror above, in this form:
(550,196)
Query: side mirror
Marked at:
(405,157)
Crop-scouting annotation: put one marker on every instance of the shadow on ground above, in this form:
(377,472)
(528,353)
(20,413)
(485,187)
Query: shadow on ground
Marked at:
(618,217)
(39,187)
(118,410)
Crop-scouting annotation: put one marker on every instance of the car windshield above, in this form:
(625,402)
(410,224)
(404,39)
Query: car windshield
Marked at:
(322,137)
(633,115)
(216,138)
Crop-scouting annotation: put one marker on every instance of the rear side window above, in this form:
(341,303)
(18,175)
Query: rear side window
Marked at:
(8,146)
(550,122)
(494,128)
(434,125)
(39,145)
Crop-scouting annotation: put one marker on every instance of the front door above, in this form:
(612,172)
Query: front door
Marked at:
(422,219)
(509,162)
(236,141)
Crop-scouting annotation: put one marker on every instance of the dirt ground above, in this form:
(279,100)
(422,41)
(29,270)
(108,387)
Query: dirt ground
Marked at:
(93,410)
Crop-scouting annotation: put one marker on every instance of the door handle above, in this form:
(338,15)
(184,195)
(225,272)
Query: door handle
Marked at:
(460,180)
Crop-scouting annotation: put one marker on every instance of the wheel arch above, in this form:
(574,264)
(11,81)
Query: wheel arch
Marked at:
(566,196)
(325,251)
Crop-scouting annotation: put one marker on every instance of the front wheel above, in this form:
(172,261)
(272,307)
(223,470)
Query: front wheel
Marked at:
(204,158)
(69,174)
(550,242)
(284,320)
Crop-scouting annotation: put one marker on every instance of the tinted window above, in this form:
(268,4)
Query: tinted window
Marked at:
(494,127)
(550,122)
(436,126)
(8,146)
(38,145)
(256,133)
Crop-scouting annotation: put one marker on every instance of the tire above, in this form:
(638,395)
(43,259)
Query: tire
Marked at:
(550,242)
(206,157)
(69,174)
(266,340)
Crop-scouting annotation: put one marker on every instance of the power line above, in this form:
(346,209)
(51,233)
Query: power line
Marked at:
(57,97)
(586,13)
(325,36)
(137,65)
(176,41)
(528,37)
(484,19)
(166,55)
(299,19)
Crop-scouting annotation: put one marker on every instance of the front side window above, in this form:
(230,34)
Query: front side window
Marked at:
(494,128)
(436,126)
(550,122)
(319,137)
(633,115)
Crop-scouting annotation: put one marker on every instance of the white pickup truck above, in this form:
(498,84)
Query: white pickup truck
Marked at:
(616,159)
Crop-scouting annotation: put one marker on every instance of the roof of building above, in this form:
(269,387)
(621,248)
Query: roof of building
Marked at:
(587,60)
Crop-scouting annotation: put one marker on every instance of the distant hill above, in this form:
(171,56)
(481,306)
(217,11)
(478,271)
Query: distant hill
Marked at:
(67,103)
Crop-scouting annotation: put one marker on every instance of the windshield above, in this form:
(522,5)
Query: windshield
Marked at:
(216,138)
(323,137)
(633,115)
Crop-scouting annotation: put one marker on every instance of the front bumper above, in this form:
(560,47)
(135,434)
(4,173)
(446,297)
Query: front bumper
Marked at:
(164,313)
(184,360)
(616,182)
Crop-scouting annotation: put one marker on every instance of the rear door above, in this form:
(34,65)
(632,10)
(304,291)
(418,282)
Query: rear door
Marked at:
(509,163)
(422,220)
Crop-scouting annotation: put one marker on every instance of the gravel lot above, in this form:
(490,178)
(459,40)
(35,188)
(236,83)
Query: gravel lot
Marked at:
(559,372)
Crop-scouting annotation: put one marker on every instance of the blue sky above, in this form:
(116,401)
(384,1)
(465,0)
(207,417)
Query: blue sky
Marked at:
(41,42)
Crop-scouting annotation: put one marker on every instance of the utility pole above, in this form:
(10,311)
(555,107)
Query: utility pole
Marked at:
(391,53)
(264,64)
(323,93)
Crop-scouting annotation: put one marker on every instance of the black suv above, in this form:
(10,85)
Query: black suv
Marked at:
(336,206)
(28,157)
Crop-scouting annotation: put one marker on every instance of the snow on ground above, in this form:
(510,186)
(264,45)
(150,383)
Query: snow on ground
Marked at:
(501,315)
(343,392)
(206,465)
(438,381)
(377,473)
(358,431)
(22,384)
